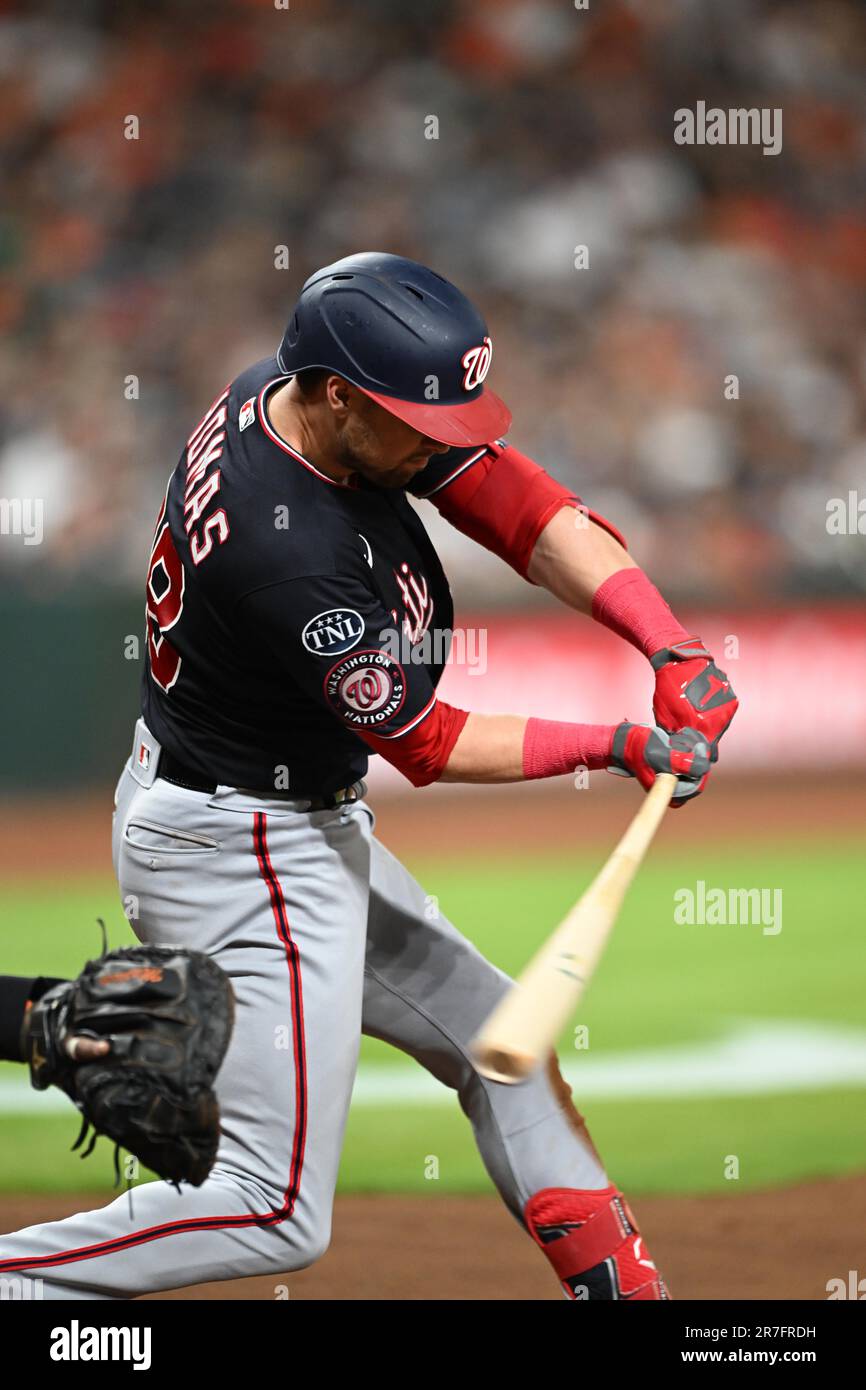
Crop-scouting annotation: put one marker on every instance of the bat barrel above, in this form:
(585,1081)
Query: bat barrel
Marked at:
(524,1026)
(500,1063)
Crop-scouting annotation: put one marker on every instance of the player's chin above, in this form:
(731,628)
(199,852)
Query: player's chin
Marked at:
(402,474)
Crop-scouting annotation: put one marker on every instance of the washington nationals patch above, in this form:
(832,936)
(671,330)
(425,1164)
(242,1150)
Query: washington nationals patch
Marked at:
(366,689)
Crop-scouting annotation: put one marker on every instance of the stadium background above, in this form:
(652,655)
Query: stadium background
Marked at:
(138,275)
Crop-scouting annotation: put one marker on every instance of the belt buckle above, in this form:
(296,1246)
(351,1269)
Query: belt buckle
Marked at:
(347,796)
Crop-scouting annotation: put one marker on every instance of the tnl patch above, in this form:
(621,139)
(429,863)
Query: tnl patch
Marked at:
(332,632)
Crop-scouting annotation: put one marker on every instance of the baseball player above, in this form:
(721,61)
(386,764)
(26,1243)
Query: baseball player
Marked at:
(292,596)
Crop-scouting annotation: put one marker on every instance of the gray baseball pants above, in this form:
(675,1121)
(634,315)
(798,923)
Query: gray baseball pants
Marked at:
(325,936)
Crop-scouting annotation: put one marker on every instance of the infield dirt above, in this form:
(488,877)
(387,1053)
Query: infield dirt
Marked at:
(781,1244)
(529,819)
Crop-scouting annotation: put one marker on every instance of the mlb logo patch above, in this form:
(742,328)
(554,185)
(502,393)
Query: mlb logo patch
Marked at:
(143,756)
(247,413)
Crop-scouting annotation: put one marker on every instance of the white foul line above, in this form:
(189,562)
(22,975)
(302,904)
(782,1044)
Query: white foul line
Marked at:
(752,1057)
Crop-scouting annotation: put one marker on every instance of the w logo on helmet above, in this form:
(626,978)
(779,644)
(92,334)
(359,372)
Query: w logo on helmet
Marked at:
(476,361)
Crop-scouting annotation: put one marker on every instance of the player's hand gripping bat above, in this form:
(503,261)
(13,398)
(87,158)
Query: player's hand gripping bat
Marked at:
(521,1031)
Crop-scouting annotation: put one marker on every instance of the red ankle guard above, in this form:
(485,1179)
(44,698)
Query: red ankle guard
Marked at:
(593,1242)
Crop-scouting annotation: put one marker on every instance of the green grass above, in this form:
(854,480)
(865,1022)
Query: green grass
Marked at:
(659,984)
(648,1146)
(51,929)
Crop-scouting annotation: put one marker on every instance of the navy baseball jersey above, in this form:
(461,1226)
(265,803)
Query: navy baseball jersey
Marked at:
(286,611)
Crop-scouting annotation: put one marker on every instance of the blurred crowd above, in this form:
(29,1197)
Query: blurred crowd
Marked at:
(701,380)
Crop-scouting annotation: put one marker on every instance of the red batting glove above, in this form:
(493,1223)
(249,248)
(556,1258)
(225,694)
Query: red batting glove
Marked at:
(691,692)
(640,751)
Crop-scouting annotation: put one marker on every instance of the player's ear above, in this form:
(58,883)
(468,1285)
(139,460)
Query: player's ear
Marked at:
(340,394)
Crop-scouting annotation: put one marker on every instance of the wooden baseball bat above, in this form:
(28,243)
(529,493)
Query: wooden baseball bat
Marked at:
(522,1030)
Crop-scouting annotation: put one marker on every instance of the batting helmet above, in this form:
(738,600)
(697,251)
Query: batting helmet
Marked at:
(404,336)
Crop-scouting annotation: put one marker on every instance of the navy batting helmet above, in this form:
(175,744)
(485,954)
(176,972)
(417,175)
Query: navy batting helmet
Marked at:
(404,336)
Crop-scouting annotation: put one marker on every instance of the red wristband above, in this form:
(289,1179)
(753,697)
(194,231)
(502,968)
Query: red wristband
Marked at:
(552,748)
(631,606)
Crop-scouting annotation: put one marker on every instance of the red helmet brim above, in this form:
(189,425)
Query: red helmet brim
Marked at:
(478,421)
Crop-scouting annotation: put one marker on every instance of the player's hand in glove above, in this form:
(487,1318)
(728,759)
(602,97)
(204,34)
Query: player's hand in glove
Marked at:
(86,1049)
(692,693)
(166,1015)
(641,751)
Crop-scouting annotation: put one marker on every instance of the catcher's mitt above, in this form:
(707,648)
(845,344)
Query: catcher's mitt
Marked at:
(167,1014)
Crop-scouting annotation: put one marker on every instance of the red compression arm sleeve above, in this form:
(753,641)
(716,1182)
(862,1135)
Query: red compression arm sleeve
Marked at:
(421,751)
(504,501)
(631,606)
(551,748)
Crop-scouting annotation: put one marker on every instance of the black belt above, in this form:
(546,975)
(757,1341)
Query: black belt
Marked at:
(172,770)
